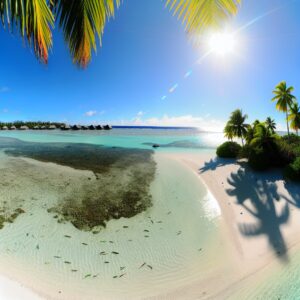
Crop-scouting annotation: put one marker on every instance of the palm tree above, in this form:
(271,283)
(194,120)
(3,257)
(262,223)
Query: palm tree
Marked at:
(271,125)
(285,99)
(256,122)
(263,136)
(83,21)
(250,134)
(294,117)
(228,131)
(239,127)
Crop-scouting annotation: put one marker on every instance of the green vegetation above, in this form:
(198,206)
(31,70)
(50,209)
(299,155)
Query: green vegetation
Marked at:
(83,21)
(236,126)
(229,150)
(30,125)
(294,117)
(292,171)
(285,100)
(263,147)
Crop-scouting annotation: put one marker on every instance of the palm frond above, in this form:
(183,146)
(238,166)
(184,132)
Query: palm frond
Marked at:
(197,15)
(33,19)
(83,21)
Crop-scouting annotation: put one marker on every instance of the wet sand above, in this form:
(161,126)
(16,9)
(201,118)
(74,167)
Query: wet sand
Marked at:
(261,223)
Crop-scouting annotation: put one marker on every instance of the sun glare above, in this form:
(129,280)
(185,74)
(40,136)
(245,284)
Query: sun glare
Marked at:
(222,43)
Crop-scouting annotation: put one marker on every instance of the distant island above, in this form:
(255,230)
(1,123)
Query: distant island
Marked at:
(20,125)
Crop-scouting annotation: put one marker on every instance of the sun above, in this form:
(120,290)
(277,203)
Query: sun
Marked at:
(222,43)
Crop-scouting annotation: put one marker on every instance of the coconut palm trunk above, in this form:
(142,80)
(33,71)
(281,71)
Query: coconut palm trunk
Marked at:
(287,124)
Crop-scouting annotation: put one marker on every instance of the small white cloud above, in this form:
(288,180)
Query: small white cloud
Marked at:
(138,118)
(90,113)
(205,123)
(5,110)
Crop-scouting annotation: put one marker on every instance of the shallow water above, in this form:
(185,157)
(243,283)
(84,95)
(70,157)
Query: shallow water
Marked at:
(173,241)
(170,139)
(167,244)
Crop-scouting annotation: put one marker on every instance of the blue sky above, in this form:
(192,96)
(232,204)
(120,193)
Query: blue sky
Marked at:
(145,53)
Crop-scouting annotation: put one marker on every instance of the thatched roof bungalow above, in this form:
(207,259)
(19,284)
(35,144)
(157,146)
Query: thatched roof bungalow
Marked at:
(76,127)
(65,127)
(24,127)
(52,127)
(99,127)
(4,128)
(12,127)
(107,127)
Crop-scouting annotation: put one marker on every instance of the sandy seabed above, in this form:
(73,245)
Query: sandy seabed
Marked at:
(209,251)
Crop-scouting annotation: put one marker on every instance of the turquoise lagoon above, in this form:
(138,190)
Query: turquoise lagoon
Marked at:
(170,139)
(172,243)
(175,242)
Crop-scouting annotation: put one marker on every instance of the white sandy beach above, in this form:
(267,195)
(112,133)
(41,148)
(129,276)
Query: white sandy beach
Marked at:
(248,258)
(253,256)
(10,290)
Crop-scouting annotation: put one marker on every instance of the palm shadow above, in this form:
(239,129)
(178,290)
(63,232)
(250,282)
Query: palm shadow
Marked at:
(259,199)
(294,193)
(215,163)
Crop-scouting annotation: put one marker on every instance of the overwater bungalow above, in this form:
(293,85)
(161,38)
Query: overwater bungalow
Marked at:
(4,128)
(52,127)
(24,127)
(107,127)
(83,127)
(12,127)
(76,127)
(92,127)
(99,127)
(65,127)
(36,127)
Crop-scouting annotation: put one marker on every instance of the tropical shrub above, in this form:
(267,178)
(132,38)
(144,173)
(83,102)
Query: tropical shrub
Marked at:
(245,151)
(292,139)
(292,171)
(259,159)
(287,152)
(229,150)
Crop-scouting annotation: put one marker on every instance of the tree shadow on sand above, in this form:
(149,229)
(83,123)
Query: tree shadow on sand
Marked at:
(257,194)
(215,163)
(294,193)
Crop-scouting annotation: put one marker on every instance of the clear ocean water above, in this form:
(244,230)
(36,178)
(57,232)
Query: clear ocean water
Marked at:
(169,139)
(167,246)
(155,252)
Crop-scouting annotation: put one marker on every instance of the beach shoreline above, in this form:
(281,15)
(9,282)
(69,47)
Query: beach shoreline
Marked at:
(253,257)
(249,260)
(12,290)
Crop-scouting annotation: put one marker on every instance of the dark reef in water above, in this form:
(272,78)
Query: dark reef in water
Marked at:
(6,217)
(179,144)
(120,186)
